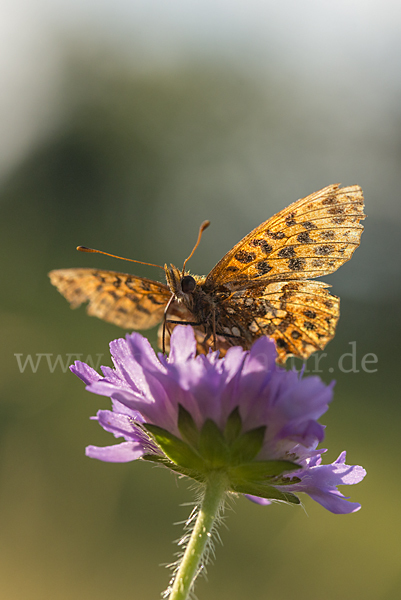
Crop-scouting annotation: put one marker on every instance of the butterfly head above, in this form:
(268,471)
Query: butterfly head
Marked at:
(182,286)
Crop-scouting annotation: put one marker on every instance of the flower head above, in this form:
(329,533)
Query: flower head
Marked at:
(241,414)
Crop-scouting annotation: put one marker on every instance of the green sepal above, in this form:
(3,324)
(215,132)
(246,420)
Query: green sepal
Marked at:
(187,427)
(212,445)
(246,447)
(233,426)
(261,470)
(265,491)
(175,449)
(161,460)
(287,481)
(156,458)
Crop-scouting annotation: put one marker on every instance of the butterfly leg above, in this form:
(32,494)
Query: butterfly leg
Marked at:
(214,329)
(165,322)
(184,323)
(229,335)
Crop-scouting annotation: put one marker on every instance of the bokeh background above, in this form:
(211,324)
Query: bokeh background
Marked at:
(123,125)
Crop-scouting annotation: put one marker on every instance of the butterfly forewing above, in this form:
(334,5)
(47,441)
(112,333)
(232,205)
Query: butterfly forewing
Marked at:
(312,237)
(125,300)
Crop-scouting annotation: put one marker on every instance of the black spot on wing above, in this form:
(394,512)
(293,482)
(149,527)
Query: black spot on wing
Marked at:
(308,225)
(142,309)
(330,200)
(336,210)
(262,244)
(296,264)
(281,343)
(263,267)
(318,262)
(327,235)
(324,250)
(304,238)
(154,300)
(287,252)
(245,257)
(279,235)
(290,221)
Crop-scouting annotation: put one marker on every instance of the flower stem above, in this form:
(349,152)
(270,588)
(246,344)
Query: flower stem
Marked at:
(213,498)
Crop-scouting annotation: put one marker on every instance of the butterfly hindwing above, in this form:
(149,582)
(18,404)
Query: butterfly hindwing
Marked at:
(300,316)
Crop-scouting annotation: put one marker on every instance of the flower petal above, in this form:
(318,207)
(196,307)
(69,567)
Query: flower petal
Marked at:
(258,500)
(85,372)
(124,452)
(118,424)
(320,483)
(182,344)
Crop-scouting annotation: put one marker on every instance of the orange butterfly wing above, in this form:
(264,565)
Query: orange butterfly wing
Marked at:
(267,273)
(125,300)
(301,316)
(312,237)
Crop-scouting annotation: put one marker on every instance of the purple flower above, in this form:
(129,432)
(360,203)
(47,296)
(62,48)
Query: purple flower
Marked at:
(241,414)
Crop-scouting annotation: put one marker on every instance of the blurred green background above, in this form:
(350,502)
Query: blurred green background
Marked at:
(123,126)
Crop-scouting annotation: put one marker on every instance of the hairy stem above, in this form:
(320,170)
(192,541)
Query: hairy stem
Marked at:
(213,499)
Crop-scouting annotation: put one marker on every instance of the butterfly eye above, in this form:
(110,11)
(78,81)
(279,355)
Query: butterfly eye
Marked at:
(188,284)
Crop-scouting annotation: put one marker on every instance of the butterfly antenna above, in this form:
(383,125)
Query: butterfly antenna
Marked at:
(202,228)
(85,249)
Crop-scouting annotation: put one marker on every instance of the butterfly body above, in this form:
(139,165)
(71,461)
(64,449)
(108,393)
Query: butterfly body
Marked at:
(262,286)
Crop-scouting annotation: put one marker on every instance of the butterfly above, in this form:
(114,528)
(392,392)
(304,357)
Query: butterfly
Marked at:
(262,286)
